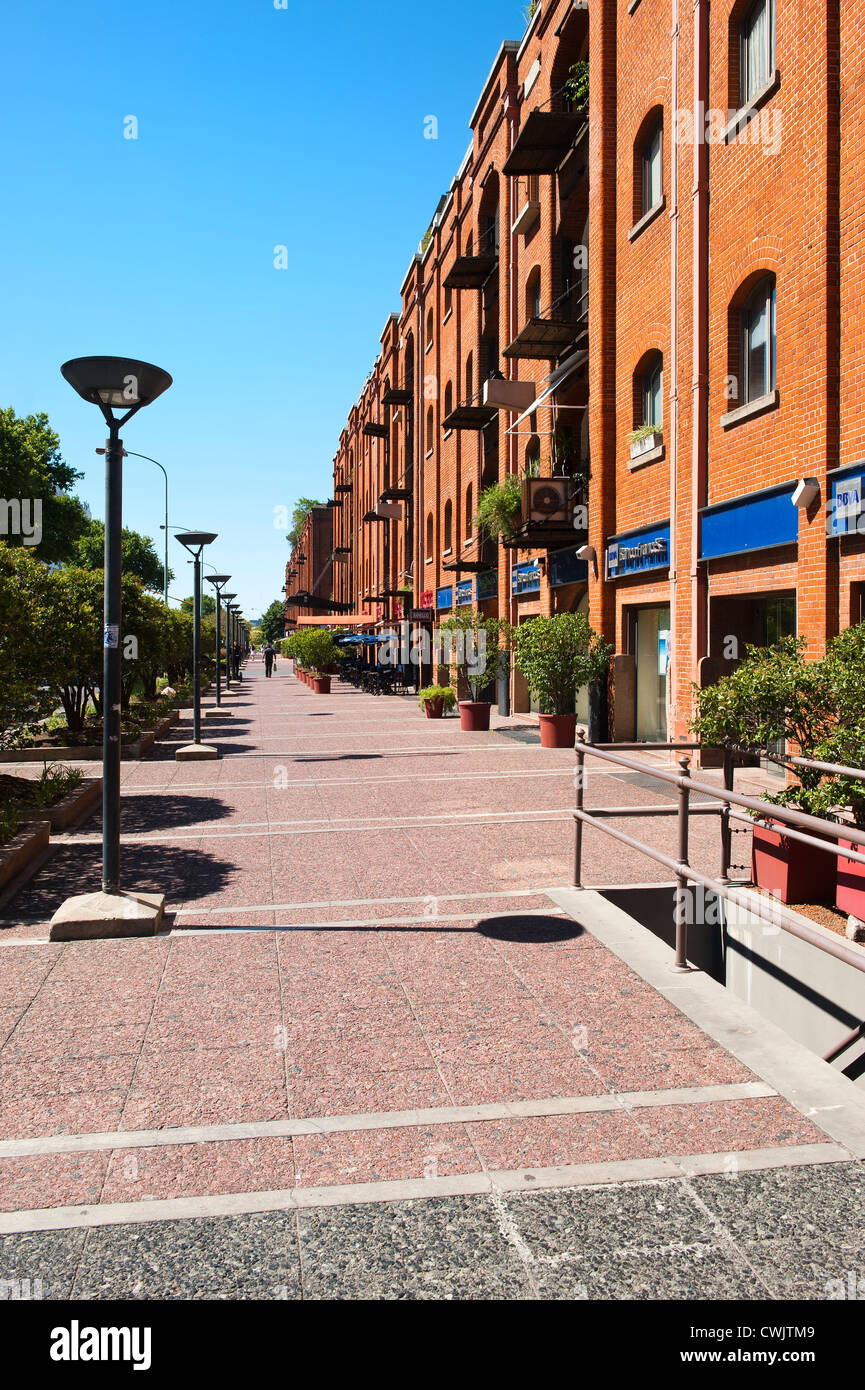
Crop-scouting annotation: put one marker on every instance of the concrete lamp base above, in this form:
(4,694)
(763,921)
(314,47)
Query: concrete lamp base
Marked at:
(91,916)
(219,713)
(196,753)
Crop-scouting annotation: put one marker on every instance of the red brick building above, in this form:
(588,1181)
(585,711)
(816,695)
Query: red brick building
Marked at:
(309,571)
(643,300)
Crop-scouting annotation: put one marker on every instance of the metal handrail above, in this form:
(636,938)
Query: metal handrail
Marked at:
(684,871)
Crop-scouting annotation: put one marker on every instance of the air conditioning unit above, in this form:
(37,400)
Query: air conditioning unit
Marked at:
(548,501)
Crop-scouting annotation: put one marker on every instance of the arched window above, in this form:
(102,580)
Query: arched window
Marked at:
(757,341)
(650,391)
(429,537)
(533,294)
(470,376)
(651,162)
(429,430)
(449,399)
(429,329)
(469,517)
(449,300)
(756,49)
(449,526)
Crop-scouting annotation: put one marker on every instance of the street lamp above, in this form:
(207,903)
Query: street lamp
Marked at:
(196,751)
(226,599)
(126,385)
(235,629)
(219,582)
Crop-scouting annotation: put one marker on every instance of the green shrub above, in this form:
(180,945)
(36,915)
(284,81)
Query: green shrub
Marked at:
(475,645)
(558,656)
(499,506)
(438,692)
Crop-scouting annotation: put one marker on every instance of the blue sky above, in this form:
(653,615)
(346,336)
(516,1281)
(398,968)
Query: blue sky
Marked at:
(257,127)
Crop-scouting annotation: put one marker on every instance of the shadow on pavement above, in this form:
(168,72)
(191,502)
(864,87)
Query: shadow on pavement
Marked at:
(513,927)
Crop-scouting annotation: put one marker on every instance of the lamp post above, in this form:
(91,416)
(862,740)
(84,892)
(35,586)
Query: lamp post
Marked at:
(226,599)
(235,630)
(126,385)
(194,542)
(166,528)
(219,582)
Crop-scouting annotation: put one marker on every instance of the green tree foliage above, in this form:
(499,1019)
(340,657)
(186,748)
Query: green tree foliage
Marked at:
(139,555)
(25,637)
(473,648)
(298,518)
(559,656)
(31,467)
(499,506)
(208,605)
(272,625)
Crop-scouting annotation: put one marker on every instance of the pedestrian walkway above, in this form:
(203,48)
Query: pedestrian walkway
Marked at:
(374,1055)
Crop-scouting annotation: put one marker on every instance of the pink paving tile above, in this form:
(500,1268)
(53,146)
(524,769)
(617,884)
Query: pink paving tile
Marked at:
(64,1075)
(383,1155)
(199,1170)
(517,1073)
(728,1126)
(345,1091)
(27,1116)
(56,1180)
(85,1041)
(156,1106)
(701,1066)
(548,1141)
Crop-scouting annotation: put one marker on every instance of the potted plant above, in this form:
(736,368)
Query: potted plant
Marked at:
(436,701)
(499,507)
(472,646)
(644,439)
(558,656)
(777,698)
(320,653)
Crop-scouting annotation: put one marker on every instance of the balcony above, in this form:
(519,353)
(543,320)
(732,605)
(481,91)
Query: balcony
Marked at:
(393,396)
(395,494)
(544,139)
(470,272)
(470,415)
(548,335)
(553,515)
(373,431)
(342,487)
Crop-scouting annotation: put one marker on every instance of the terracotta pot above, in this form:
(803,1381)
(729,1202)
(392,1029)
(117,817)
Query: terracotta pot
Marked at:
(850,890)
(789,870)
(434,708)
(475,716)
(321,685)
(558,730)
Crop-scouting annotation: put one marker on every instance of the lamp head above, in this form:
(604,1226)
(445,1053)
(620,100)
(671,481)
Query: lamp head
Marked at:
(121,383)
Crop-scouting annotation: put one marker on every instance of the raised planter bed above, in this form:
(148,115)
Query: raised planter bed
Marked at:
(789,870)
(90,752)
(850,887)
(19,853)
(71,809)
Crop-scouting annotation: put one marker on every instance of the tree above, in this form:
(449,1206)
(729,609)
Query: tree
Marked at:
(139,555)
(298,518)
(74,640)
(208,605)
(25,640)
(272,625)
(32,471)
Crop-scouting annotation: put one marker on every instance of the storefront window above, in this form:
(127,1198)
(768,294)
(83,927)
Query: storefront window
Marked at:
(652,649)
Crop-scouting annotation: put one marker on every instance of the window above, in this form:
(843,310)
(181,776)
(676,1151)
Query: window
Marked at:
(429,538)
(756,49)
(758,342)
(429,329)
(469,518)
(449,526)
(470,371)
(449,300)
(533,457)
(653,167)
(449,399)
(653,393)
(533,294)
(429,430)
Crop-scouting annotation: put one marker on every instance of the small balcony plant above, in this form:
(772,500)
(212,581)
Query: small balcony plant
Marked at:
(644,439)
(558,656)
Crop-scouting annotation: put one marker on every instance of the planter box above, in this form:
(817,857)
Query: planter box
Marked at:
(321,685)
(71,809)
(475,716)
(92,752)
(645,446)
(791,871)
(22,850)
(850,887)
(558,730)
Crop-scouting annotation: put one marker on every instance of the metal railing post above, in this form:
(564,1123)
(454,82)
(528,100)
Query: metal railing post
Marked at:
(726,829)
(682,888)
(578,824)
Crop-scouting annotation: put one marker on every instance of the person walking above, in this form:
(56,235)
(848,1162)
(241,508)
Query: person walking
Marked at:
(269,655)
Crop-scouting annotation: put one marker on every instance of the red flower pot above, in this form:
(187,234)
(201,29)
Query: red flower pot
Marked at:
(558,730)
(475,716)
(321,685)
(850,890)
(791,871)
(434,708)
